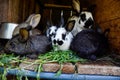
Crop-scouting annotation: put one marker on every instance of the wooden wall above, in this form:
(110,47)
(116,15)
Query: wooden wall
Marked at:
(17,10)
(107,14)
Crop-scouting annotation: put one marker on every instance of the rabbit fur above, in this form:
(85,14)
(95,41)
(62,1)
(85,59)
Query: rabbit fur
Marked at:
(90,44)
(62,38)
(26,43)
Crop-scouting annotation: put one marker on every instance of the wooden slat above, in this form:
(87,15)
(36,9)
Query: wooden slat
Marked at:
(58,6)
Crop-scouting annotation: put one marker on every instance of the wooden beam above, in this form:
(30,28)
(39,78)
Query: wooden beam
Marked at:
(58,6)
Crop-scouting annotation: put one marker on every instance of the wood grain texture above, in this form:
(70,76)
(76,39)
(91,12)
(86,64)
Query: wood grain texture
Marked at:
(107,15)
(106,10)
(16,11)
(3,10)
(98,69)
(114,33)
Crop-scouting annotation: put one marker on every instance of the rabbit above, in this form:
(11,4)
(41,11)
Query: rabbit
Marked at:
(51,31)
(26,43)
(90,44)
(81,21)
(62,38)
(31,22)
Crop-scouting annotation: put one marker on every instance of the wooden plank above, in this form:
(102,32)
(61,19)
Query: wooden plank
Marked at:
(98,69)
(58,6)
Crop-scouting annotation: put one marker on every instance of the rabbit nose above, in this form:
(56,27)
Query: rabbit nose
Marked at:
(57,41)
(60,42)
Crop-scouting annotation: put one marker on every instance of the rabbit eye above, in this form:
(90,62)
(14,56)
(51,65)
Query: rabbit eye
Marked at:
(12,44)
(49,31)
(60,42)
(63,36)
(52,34)
(83,17)
(88,23)
(79,21)
(29,27)
(54,41)
(55,30)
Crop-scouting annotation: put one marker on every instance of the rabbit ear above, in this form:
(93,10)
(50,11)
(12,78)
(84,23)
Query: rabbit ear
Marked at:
(49,21)
(33,20)
(106,32)
(61,19)
(49,24)
(76,5)
(70,25)
(24,35)
(29,18)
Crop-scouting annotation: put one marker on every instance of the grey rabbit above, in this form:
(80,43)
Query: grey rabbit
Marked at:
(90,44)
(28,42)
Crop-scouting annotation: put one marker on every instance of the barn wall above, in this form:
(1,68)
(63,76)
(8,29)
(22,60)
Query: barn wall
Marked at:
(17,10)
(107,14)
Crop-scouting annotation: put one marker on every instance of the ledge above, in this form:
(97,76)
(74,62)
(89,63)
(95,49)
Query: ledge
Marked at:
(97,68)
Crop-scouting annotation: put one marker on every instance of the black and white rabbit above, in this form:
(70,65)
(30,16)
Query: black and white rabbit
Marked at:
(90,44)
(51,29)
(27,42)
(62,38)
(81,21)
